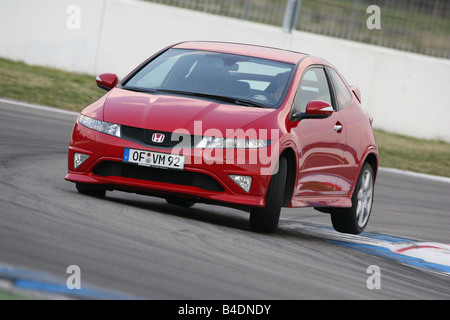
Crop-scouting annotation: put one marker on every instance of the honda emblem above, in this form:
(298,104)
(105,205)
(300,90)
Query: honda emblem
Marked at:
(158,137)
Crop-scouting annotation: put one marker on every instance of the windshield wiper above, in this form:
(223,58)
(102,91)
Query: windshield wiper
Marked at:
(139,89)
(185,93)
(233,100)
(250,103)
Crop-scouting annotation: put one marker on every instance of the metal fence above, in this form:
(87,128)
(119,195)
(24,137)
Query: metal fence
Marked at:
(420,26)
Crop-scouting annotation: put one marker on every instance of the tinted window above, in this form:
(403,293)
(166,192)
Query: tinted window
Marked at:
(313,86)
(260,80)
(343,96)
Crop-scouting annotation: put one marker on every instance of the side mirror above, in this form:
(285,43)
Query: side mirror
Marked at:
(106,81)
(315,109)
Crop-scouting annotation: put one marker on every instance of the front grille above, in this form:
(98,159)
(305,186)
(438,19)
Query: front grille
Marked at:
(185,178)
(144,137)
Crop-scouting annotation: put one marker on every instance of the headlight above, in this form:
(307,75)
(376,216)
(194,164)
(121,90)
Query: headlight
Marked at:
(101,126)
(232,143)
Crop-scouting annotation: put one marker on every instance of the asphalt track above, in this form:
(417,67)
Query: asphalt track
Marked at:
(143,247)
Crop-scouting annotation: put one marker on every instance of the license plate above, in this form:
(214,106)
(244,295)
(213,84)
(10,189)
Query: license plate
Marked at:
(153,159)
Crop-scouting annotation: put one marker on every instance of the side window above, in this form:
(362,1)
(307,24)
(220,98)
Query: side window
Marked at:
(313,86)
(343,96)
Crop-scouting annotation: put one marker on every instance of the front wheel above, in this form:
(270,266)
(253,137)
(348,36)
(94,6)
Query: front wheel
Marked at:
(91,190)
(354,220)
(180,202)
(266,219)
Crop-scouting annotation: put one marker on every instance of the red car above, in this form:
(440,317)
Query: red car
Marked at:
(251,127)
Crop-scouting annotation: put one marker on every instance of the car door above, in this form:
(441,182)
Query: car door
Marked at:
(348,107)
(320,142)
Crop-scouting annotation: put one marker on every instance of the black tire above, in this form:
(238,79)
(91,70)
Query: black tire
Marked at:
(266,219)
(354,220)
(91,190)
(180,202)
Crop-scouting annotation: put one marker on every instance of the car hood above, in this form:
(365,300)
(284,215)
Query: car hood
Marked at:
(166,112)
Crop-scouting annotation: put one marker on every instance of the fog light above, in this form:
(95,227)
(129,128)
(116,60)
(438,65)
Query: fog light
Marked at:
(245,182)
(78,159)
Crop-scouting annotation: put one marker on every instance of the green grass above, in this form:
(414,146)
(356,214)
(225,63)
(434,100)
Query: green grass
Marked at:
(12,296)
(407,153)
(47,86)
(74,91)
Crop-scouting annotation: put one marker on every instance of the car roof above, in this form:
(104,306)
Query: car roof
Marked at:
(244,49)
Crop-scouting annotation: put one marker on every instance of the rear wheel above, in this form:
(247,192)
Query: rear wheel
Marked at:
(91,190)
(353,220)
(266,219)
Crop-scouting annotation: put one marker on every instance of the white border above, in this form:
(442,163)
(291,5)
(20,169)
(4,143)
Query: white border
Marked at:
(416,175)
(37,106)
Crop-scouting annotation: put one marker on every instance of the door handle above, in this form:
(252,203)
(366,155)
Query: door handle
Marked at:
(338,127)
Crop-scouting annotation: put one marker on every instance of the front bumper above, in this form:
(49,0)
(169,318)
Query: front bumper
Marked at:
(206,176)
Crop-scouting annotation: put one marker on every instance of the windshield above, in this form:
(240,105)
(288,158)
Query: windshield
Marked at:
(258,82)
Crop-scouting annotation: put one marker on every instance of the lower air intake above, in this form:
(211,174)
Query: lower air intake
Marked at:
(185,178)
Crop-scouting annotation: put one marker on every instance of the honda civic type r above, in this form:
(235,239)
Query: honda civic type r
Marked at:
(245,126)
